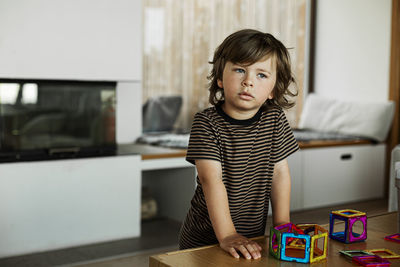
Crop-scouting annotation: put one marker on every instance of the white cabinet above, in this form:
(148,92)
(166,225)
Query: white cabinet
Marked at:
(334,175)
(56,204)
(172,182)
(295,166)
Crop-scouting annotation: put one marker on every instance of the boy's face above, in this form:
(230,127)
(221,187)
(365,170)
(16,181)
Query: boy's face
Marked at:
(246,88)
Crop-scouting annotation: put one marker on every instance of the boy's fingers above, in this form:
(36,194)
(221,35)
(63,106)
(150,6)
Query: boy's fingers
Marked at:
(244,252)
(248,248)
(253,251)
(258,246)
(234,253)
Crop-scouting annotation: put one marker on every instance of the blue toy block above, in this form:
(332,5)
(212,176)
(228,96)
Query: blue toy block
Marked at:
(307,244)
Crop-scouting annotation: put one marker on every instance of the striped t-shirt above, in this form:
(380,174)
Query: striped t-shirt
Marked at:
(247,150)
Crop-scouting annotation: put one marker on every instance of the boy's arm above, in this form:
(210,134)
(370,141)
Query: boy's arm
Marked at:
(210,175)
(280,193)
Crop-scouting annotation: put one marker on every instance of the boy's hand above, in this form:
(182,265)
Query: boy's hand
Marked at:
(235,243)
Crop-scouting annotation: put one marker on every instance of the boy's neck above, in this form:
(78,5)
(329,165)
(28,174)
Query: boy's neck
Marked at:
(238,114)
(234,121)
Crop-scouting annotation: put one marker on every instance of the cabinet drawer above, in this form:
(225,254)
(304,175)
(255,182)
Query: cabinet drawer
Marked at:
(342,174)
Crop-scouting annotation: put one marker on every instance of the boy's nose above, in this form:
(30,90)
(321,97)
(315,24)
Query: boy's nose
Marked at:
(247,82)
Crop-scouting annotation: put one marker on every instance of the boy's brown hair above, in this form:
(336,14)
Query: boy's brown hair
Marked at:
(247,47)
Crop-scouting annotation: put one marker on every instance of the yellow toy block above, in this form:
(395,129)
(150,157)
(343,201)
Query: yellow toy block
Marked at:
(349,213)
(316,232)
(383,253)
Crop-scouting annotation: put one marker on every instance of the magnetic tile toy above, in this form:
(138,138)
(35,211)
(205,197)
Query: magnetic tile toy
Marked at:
(349,217)
(394,238)
(384,253)
(349,254)
(371,261)
(305,243)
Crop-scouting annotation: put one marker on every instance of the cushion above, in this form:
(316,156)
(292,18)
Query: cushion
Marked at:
(160,113)
(365,119)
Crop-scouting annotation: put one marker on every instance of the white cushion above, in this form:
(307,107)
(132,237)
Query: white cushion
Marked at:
(365,119)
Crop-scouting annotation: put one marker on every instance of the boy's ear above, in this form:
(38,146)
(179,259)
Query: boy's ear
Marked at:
(271,95)
(219,83)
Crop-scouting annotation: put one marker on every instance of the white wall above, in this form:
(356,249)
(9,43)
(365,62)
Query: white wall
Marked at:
(128,112)
(71,39)
(78,40)
(58,204)
(353,49)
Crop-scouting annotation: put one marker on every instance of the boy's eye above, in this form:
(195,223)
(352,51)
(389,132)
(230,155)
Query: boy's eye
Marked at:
(239,70)
(262,75)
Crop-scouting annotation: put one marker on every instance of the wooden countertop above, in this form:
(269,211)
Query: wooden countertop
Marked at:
(377,228)
(156,152)
(317,144)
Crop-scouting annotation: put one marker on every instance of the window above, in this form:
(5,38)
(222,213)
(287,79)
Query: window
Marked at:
(180,38)
(9,93)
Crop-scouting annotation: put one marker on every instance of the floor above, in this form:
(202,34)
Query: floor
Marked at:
(156,240)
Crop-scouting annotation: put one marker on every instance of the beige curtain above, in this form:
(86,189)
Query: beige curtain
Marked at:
(180,37)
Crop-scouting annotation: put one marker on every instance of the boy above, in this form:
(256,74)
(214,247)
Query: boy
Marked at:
(240,146)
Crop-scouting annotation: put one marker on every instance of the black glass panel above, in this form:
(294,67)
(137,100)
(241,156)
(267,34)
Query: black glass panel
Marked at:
(43,118)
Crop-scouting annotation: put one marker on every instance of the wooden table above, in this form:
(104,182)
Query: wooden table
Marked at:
(158,152)
(377,228)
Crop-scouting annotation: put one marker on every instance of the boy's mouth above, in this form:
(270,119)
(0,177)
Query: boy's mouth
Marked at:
(245,96)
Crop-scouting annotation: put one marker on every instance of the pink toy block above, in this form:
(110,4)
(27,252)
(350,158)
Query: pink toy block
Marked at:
(371,261)
(393,238)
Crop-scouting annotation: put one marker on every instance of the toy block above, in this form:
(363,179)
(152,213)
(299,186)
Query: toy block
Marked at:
(371,261)
(349,218)
(297,254)
(349,254)
(384,253)
(304,243)
(318,234)
(275,242)
(393,238)
(276,236)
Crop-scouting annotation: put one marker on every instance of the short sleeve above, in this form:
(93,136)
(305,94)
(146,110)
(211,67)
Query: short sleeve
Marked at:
(203,141)
(283,142)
